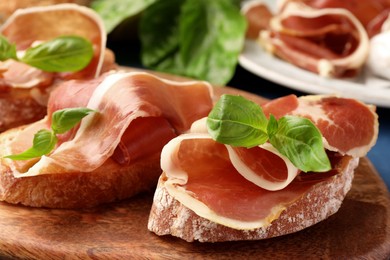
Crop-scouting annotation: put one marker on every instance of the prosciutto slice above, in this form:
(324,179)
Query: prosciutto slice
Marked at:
(371,13)
(123,101)
(206,177)
(37,24)
(331,42)
(258,16)
(348,126)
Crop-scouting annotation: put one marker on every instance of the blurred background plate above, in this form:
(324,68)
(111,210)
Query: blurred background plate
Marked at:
(365,87)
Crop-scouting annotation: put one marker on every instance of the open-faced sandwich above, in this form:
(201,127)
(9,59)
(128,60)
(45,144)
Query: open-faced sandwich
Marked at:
(41,47)
(248,172)
(100,141)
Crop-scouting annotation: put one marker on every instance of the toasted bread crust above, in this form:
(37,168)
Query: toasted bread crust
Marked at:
(18,107)
(169,216)
(108,183)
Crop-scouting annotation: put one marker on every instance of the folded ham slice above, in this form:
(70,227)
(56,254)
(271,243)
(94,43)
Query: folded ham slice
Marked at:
(348,126)
(258,16)
(329,41)
(24,90)
(38,24)
(371,13)
(249,188)
(123,101)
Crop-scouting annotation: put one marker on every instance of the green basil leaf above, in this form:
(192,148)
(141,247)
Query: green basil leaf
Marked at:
(7,50)
(62,54)
(237,121)
(272,127)
(43,143)
(113,12)
(301,142)
(159,35)
(212,36)
(65,119)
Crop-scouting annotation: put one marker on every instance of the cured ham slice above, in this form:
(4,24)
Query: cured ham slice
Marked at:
(21,75)
(258,16)
(330,41)
(7,8)
(38,24)
(348,126)
(121,99)
(247,189)
(24,90)
(371,14)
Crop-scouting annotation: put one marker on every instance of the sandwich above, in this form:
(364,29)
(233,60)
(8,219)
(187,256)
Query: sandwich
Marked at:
(247,172)
(41,47)
(100,141)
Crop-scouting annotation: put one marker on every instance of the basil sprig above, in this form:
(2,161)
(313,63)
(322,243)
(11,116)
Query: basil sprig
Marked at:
(237,121)
(62,54)
(45,140)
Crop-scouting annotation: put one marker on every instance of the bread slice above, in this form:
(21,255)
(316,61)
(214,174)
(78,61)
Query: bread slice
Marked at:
(18,107)
(169,216)
(108,183)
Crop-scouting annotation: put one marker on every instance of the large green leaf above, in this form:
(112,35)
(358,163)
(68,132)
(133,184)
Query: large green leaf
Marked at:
(113,12)
(196,38)
(211,38)
(159,34)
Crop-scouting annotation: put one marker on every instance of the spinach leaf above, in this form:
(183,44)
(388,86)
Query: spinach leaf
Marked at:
(159,35)
(196,38)
(211,38)
(113,12)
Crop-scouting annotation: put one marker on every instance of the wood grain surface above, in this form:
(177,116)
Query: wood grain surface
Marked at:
(360,230)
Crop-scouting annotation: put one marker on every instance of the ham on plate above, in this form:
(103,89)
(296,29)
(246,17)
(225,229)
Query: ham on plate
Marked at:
(258,16)
(249,188)
(372,14)
(331,42)
(137,114)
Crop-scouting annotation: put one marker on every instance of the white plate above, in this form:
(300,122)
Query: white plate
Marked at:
(365,87)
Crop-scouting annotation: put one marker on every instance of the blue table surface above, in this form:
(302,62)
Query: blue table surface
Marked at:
(128,54)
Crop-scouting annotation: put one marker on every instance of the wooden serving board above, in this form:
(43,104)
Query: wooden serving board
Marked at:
(360,229)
